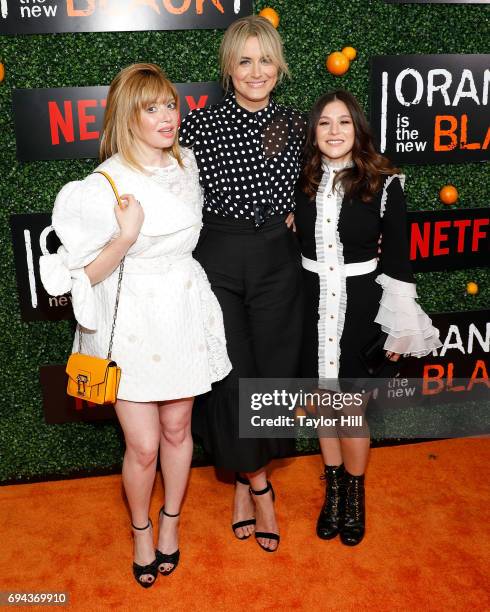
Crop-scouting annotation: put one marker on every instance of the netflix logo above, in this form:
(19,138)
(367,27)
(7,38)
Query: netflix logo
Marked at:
(65,123)
(449,239)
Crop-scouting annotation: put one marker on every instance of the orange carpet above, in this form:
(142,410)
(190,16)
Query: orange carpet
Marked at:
(426,546)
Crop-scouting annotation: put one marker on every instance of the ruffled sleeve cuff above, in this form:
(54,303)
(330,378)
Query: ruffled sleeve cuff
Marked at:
(55,275)
(57,278)
(410,330)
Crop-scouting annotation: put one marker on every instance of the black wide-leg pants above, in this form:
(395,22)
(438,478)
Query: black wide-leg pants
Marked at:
(256,276)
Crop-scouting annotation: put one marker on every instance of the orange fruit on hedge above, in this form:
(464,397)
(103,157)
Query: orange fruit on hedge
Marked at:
(271,15)
(337,63)
(448,194)
(2,72)
(472,288)
(350,53)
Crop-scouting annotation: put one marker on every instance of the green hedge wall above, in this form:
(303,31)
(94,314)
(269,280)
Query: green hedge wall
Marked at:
(311,29)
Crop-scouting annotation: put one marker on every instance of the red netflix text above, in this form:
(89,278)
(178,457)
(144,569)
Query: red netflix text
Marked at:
(447,237)
(71,121)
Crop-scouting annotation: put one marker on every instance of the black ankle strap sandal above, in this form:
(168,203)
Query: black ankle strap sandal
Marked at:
(162,558)
(266,534)
(244,481)
(239,478)
(163,511)
(142,570)
(264,491)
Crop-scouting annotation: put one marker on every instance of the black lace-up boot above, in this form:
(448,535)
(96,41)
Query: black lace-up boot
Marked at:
(353,523)
(328,524)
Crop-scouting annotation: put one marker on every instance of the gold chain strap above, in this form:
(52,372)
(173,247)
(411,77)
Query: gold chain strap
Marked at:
(119,281)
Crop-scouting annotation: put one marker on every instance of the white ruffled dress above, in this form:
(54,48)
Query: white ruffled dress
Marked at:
(169,338)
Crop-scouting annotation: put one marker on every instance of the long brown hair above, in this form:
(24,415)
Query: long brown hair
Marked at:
(366,176)
(132,90)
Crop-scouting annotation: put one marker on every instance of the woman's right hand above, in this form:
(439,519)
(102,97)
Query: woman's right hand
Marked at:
(130,217)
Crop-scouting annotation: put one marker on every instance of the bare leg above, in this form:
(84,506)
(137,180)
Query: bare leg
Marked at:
(355,440)
(141,427)
(331,450)
(328,436)
(355,452)
(175,459)
(266,516)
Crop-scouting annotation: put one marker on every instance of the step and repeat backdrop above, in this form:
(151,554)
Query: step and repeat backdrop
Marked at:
(427,97)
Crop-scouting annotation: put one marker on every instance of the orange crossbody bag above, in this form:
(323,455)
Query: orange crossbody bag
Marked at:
(90,378)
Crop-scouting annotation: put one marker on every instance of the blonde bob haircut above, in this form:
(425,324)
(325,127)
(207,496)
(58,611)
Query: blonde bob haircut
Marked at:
(235,38)
(134,88)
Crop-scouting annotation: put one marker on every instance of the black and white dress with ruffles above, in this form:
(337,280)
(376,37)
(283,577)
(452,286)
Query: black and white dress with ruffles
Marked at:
(351,292)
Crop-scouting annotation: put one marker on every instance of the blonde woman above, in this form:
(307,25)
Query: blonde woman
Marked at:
(169,338)
(247,150)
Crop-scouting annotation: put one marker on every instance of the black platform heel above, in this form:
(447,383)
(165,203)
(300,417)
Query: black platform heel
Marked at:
(141,570)
(247,522)
(331,514)
(266,534)
(162,558)
(353,524)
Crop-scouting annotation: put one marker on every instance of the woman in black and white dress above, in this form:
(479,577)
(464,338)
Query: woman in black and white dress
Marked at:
(248,151)
(349,197)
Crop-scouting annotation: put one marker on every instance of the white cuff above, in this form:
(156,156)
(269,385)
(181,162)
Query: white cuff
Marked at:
(55,275)
(57,279)
(410,330)
(83,299)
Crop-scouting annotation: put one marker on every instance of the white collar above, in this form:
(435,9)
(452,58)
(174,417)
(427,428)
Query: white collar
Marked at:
(335,166)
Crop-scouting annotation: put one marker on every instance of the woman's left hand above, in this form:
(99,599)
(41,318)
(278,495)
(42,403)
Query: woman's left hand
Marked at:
(290,221)
(392,356)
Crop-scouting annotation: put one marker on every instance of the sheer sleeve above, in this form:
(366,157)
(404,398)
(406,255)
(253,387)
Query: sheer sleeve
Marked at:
(84,221)
(283,127)
(410,330)
(299,121)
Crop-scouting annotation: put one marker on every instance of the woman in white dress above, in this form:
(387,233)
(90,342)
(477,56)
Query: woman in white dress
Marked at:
(169,339)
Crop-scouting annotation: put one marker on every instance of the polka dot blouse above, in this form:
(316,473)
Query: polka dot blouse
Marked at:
(248,161)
